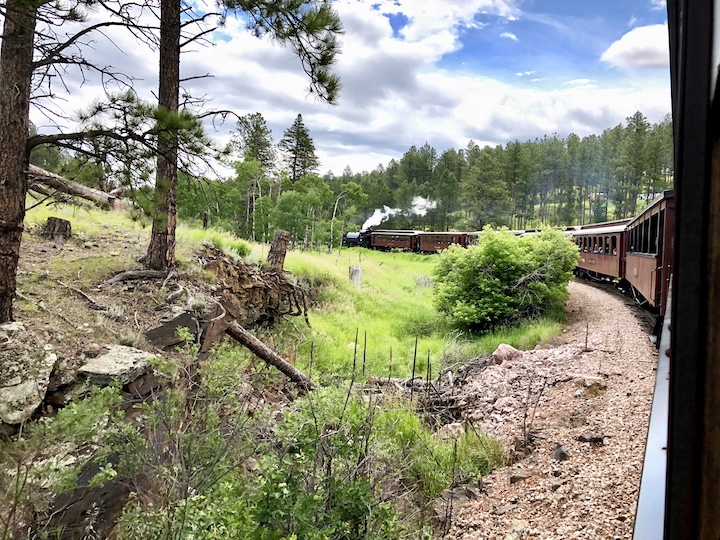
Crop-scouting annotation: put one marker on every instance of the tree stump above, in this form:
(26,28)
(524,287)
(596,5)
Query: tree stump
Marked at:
(356,275)
(276,257)
(57,229)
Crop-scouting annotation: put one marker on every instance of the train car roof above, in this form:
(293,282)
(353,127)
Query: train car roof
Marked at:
(606,224)
(612,229)
(443,232)
(400,232)
(665,195)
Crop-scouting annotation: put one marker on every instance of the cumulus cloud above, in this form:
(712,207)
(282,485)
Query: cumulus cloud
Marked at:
(509,35)
(641,47)
(427,20)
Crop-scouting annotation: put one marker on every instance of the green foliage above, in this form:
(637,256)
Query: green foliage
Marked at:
(253,139)
(299,150)
(47,456)
(504,278)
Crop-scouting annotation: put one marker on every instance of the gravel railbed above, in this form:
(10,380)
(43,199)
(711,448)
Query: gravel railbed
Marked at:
(593,393)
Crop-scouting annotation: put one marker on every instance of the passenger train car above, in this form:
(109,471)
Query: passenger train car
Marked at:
(637,251)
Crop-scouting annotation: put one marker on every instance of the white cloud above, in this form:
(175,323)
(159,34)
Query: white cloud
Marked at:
(641,47)
(658,4)
(509,35)
(579,82)
(525,73)
(428,17)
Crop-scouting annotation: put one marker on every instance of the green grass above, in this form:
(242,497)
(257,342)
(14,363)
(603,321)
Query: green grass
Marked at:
(392,309)
(87,222)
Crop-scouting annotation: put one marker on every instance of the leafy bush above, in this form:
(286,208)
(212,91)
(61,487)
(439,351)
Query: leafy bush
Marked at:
(504,278)
(432,463)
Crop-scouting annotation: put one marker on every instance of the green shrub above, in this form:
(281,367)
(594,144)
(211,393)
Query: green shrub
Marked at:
(504,278)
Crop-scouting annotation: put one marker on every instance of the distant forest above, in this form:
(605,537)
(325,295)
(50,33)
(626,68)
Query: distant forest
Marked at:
(546,181)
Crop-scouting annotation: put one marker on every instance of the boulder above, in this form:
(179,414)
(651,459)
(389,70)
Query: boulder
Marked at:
(120,363)
(560,453)
(26,369)
(505,352)
(450,431)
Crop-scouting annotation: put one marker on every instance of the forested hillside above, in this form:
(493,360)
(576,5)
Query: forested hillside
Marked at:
(549,180)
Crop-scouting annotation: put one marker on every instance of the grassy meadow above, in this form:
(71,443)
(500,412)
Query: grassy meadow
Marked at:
(390,311)
(392,308)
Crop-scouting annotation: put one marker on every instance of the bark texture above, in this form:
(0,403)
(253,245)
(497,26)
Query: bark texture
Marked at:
(276,257)
(265,353)
(161,251)
(58,229)
(57,182)
(16,56)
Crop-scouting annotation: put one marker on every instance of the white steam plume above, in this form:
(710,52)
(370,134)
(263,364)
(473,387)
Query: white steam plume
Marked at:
(420,207)
(379,215)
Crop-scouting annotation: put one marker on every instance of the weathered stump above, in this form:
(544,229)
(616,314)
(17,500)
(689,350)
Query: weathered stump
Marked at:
(276,257)
(356,275)
(57,229)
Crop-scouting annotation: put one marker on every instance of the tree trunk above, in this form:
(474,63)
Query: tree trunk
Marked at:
(276,257)
(264,352)
(55,181)
(161,252)
(16,56)
(332,221)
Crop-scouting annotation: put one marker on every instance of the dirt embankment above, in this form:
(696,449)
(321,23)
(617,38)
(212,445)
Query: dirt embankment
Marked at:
(586,434)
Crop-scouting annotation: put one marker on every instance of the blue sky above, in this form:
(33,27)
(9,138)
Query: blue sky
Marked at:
(436,71)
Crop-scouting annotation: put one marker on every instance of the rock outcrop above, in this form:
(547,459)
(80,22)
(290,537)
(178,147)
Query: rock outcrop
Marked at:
(25,369)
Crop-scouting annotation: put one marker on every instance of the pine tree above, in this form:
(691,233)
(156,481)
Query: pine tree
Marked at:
(253,139)
(299,150)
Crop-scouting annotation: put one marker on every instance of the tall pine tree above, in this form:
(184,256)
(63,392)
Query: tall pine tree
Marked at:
(299,150)
(253,139)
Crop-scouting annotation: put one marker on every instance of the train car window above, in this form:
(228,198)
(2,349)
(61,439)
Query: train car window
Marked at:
(607,245)
(645,237)
(613,245)
(654,233)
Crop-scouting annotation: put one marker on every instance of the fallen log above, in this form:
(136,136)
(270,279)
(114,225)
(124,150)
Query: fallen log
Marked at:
(129,275)
(265,353)
(55,181)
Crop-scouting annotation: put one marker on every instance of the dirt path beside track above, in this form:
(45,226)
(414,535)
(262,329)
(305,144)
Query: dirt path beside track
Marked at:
(593,399)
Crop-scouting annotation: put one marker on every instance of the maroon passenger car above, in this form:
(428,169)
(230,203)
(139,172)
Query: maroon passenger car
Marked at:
(601,248)
(387,240)
(650,250)
(431,242)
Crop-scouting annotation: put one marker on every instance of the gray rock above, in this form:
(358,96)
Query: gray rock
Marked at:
(560,453)
(520,476)
(25,374)
(591,437)
(504,353)
(120,363)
